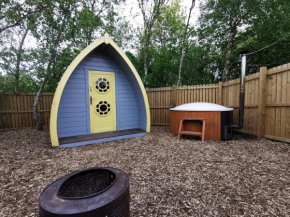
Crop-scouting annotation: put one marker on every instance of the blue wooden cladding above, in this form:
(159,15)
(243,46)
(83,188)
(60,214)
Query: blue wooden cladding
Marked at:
(73,113)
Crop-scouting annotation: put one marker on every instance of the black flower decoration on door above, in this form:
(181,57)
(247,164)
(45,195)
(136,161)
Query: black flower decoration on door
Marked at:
(103,108)
(102,85)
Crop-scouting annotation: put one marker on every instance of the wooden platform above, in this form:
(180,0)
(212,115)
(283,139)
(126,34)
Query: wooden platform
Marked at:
(95,136)
(192,133)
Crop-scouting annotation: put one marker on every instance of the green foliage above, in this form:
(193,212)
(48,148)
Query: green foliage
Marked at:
(252,25)
(269,25)
(164,51)
(164,54)
(6,83)
(65,57)
(60,29)
(255,24)
(26,84)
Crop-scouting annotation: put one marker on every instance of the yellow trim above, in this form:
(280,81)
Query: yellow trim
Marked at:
(123,55)
(56,99)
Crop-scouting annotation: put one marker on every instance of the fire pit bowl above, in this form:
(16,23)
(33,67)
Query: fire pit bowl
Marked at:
(91,192)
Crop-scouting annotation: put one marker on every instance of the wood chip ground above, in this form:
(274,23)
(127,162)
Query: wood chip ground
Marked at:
(167,177)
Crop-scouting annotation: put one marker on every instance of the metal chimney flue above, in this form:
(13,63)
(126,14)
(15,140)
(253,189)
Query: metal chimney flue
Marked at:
(228,130)
(242,92)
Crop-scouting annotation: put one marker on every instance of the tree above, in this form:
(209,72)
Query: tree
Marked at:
(150,10)
(53,33)
(15,21)
(165,51)
(19,59)
(167,34)
(221,22)
(268,33)
(230,26)
(14,13)
(183,43)
(12,58)
(94,18)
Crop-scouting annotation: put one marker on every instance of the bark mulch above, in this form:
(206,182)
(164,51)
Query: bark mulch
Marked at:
(167,177)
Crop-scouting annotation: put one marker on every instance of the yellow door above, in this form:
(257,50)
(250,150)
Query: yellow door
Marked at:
(102,99)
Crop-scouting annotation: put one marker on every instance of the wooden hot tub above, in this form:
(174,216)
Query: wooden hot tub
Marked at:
(217,117)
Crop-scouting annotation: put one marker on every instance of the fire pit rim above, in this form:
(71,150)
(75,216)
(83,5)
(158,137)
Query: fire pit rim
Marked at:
(48,200)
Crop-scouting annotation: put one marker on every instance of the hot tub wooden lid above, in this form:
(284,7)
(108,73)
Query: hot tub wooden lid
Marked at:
(201,106)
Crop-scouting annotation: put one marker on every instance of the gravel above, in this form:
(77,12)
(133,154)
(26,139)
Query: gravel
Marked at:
(167,177)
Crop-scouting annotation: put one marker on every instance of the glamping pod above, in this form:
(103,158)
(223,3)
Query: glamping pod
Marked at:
(99,98)
(218,118)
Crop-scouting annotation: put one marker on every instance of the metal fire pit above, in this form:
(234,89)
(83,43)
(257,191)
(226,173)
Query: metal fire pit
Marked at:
(102,192)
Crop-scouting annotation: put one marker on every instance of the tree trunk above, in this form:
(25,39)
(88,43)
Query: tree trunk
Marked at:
(18,61)
(148,24)
(146,40)
(36,115)
(229,52)
(145,55)
(180,66)
(145,63)
(183,44)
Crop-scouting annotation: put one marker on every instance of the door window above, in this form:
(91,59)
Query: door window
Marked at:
(103,108)
(102,85)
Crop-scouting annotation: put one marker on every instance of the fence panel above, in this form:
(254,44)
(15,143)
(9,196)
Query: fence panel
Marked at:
(267,103)
(277,121)
(16,109)
(161,99)
(231,90)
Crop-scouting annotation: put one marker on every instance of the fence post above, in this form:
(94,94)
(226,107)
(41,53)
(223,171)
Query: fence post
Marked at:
(262,102)
(220,99)
(173,100)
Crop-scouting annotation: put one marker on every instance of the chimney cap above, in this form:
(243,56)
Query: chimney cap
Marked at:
(244,52)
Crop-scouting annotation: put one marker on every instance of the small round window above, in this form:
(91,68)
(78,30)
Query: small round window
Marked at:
(102,85)
(103,108)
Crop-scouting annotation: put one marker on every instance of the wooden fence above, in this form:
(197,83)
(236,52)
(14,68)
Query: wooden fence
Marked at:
(267,103)
(161,99)
(16,109)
